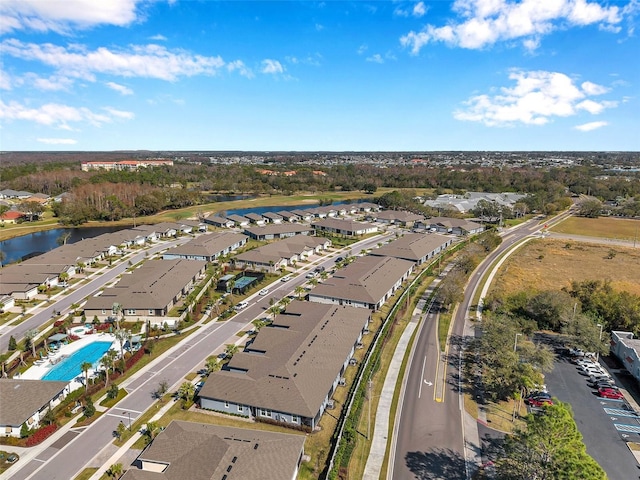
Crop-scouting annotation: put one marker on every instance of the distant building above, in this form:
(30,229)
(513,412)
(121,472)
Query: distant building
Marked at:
(455,226)
(627,350)
(207,247)
(131,165)
(349,228)
(415,247)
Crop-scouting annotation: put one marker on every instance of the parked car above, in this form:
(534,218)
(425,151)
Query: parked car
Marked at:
(263,292)
(539,402)
(310,275)
(604,384)
(599,378)
(606,392)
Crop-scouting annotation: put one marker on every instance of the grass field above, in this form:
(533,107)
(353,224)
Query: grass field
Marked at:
(603,227)
(547,264)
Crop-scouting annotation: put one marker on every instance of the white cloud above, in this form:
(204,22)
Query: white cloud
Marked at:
(52,83)
(158,38)
(5,80)
(57,115)
(587,127)
(119,88)
(419,10)
(57,141)
(319,27)
(119,113)
(151,61)
(376,58)
(362,49)
(483,23)
(60,16)
(240,67)
(536,98)
(272,66)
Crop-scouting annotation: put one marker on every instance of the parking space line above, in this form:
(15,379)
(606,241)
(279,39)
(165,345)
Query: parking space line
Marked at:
(621,413)
(621,427)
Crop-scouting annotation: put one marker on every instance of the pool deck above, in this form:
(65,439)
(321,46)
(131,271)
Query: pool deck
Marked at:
(36,372)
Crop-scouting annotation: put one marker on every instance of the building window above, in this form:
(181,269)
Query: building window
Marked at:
(226,404)
(265,413)
(150,311)
(104,311)
(131,311)
(295,419)
(240,408)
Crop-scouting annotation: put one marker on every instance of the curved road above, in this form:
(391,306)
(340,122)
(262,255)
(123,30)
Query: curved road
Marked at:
(430,440)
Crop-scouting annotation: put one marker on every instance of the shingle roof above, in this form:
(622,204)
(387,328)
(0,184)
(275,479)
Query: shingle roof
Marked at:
(19,399)
(208,244)
(366,280)
(278,229)
(412,246)
(197,451)
(344,225)
(399,215)
(304,349)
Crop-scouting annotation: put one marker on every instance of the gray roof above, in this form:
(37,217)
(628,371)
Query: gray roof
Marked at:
(278,229)
(399,215)
(197,451)
(238,218)
(413,246)
(344,225)
(254,216)
(282,249)
(272,216)
(20,399)
(450,222)
(304,351)
(366,280)
(208,245)
(151,286)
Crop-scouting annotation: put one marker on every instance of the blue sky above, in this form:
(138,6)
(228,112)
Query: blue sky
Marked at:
(332,75)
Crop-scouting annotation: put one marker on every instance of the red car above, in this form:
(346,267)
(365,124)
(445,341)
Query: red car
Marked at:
(539,401)
(610,393)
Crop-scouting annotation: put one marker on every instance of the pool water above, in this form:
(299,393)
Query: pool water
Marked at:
(69,368)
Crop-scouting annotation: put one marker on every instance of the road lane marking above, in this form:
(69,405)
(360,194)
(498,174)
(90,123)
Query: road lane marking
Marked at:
(422,376)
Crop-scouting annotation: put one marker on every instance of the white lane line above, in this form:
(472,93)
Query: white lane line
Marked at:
(422,376)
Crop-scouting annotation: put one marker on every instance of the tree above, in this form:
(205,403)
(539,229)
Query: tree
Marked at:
(163,387)
(121,429)
(116,309)
(550,447)
(49,418)
(89,409)
(212,365)
(299,291)
(369,188)
(107,361)
(62,239)
(591,208)
(273,310)
(122,336)
(12,343)
(230,350)
(186,391)
(31,209)
(30,342)
(285,301)
(115,470)
(151,430)
(112,391)
(85,367)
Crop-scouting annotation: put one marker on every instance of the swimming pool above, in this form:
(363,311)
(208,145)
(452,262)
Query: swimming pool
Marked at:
(69,368)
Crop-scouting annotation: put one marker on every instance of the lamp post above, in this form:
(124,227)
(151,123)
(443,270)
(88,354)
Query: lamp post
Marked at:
(599,343)
(129,415)
(515,343)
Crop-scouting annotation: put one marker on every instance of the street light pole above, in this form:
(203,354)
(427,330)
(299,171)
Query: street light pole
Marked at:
(129,415)
(599,345)
(515,343)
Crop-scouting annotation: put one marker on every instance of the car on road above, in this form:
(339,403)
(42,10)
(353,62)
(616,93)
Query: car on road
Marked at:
(241,305)
(286,278)
(263,292)
(339,259)
(310,275)
(606,392)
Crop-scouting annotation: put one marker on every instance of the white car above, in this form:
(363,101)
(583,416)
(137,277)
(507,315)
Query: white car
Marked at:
(286,278)
(263,292)
(242,305)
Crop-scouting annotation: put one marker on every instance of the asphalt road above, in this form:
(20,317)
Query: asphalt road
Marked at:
(430,442)
(65,458)
(604,442)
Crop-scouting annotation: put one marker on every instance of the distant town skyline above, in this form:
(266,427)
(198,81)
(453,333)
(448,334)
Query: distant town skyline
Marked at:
(493,75)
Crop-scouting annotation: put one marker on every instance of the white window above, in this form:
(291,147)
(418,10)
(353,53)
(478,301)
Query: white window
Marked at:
(295,419)
(240,408)
(104,311)
(265,413)
(226,404)
(150,311)
(131,311)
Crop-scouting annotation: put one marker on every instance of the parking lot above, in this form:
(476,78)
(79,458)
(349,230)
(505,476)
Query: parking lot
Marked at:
(606,424)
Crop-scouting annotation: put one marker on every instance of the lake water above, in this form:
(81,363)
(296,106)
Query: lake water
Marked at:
(23,247)
(26,246)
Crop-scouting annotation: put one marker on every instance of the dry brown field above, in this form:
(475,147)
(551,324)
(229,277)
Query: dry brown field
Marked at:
(549,264)
(603,227)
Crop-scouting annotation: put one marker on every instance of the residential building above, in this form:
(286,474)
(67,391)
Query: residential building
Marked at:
(239,220)
(289,216)
(368,282)
(219,221)
(339,226)
(415,247)
(26,402)
(275,231)
(255,218)
(207,247)
(455,226)
(12,216)
(291,369)
(131,165)
(149,292)
(396,217)
(272,257)
(272,217)
(198,451)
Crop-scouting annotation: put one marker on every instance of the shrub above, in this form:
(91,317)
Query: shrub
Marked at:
(41,435)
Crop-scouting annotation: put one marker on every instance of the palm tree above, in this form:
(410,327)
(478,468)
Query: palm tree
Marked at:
(285,302)
(116,308)
(107,362)
(274,310)
(115,470)
(230,350)
(313,282)
(299,291)
(212,365)
(122,336)
(86,366)
(186,391)
(31,335)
